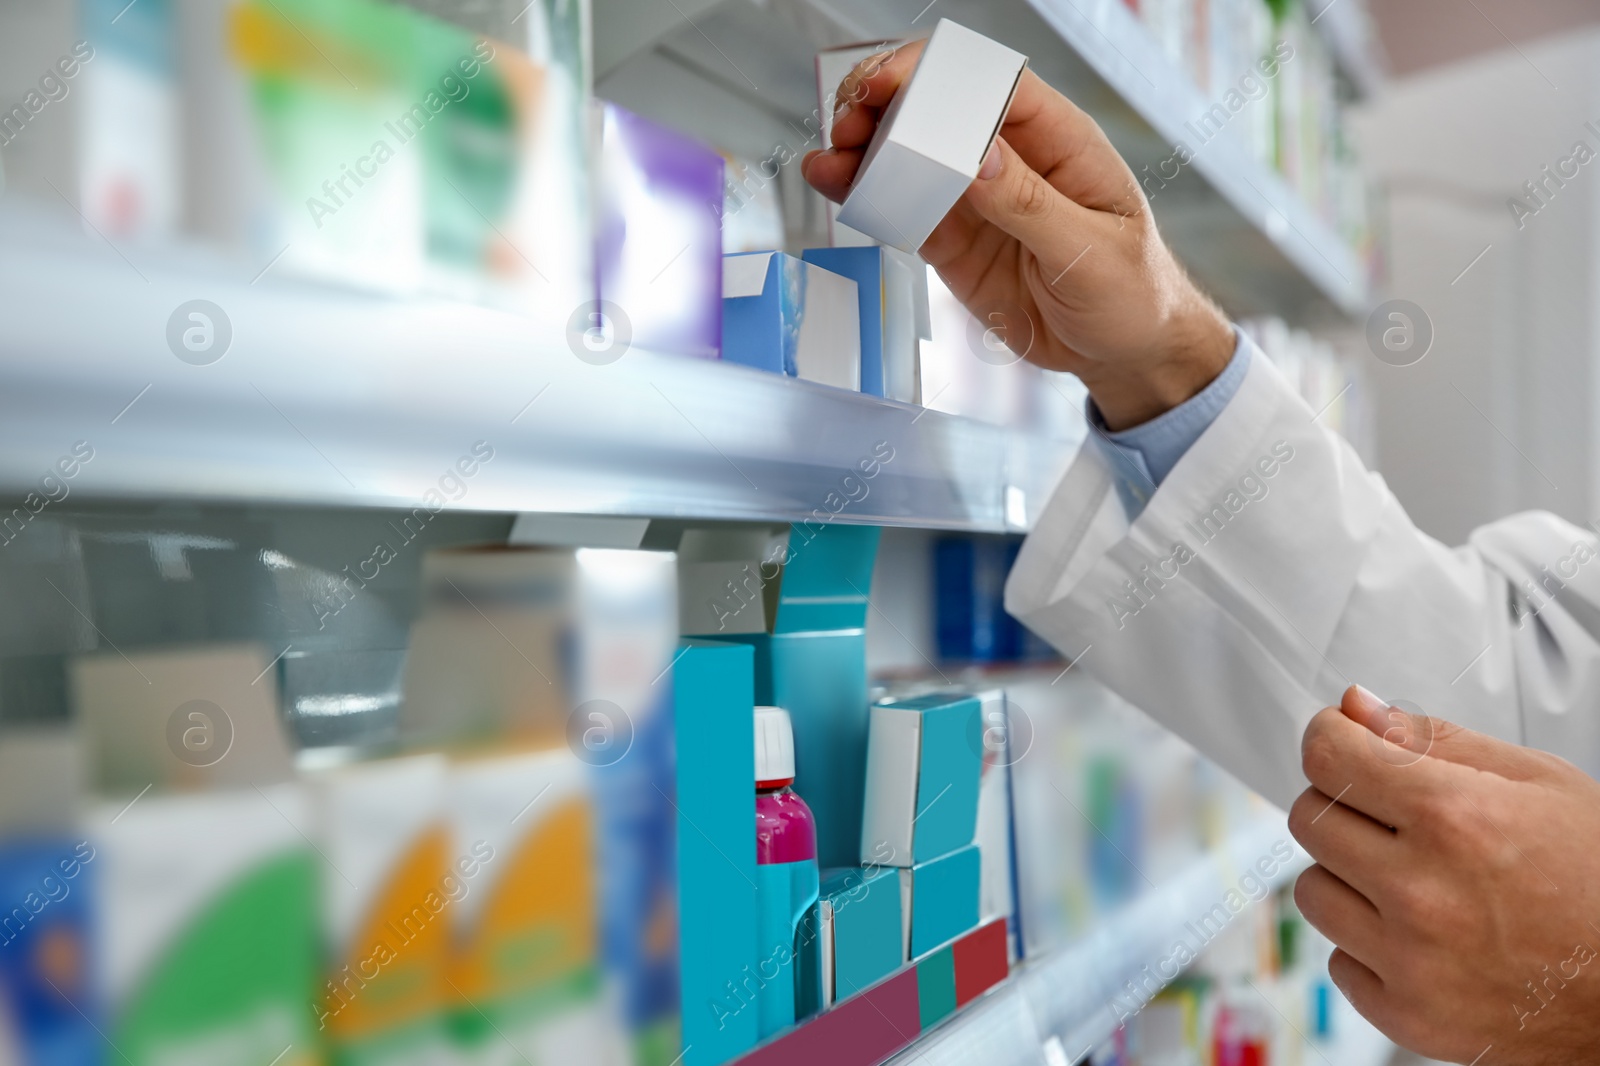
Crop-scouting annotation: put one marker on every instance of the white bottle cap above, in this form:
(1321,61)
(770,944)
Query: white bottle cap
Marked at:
(774,746)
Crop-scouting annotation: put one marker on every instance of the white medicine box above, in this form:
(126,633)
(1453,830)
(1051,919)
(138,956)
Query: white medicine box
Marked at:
(933,138)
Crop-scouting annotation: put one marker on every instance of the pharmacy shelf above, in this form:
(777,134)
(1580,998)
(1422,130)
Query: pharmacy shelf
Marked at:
(1065,997)
(1240,228)
(327,396)
(1349,31)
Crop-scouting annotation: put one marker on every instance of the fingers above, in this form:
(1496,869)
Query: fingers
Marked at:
(867,90)
(1341,914)
(1061,141)
(1388,1009)
(1348,844)
(1008,193)
(1346,761)
(1419,735)
(1016,199)
(832,172)
(1360,985)
(1053,135)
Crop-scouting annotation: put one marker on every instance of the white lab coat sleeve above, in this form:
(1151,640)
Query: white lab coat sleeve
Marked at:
(1271,569)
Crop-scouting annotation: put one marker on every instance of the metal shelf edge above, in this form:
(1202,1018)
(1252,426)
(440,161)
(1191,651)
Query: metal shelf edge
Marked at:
(329,397)
(1106,36)
(1067,993)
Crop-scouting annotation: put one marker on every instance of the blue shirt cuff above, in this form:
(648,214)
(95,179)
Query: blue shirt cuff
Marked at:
(1142,457)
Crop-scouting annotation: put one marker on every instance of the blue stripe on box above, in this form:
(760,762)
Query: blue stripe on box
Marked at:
(864,266)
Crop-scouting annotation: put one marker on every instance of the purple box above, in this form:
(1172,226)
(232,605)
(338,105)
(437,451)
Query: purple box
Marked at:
(658,254)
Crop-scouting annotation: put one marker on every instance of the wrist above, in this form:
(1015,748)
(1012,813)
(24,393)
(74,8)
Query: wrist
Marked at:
(1198,344)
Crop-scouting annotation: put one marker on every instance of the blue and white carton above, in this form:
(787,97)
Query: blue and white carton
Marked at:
(786,316)
(893,306)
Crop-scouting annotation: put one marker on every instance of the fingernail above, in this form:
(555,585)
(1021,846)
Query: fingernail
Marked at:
(1369,703)
(992,164)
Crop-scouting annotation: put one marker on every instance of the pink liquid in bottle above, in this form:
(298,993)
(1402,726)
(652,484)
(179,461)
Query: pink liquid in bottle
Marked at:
(785,828)
(786,870)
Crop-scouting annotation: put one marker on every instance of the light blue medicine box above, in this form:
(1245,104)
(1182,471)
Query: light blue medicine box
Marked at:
(786,316)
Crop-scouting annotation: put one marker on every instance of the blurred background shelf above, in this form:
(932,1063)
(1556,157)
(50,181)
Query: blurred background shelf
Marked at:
(338,398)
(1245,234)
(743,71)
(1358,1043)
(1069,993)
(1349,31)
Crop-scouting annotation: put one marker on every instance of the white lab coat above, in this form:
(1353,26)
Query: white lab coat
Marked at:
(1271,569)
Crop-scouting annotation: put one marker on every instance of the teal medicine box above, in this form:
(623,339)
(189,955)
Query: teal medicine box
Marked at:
(924,761)
(943,895)
(713,686)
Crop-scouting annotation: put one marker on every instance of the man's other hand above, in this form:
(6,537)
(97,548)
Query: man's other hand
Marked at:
(1460,878)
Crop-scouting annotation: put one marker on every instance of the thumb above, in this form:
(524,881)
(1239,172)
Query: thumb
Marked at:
(1437,738)
(1014,197)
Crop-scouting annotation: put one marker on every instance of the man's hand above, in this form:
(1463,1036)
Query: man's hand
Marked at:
(1057,233)
(1460,878)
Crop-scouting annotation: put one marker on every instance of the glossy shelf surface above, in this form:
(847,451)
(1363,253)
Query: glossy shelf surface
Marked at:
(329,396)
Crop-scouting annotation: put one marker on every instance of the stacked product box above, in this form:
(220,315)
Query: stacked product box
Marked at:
(93,121)
(369,145)
(785,610)
(49,880)
(800,600)
(910,920)
(199,843)
(903,945)
(196,719)
(191,887)
(714,701)
(921,813)
(525,969)
(658,241)
(487,657)
(788,316)
(546,674)
(891,288)
(387,880)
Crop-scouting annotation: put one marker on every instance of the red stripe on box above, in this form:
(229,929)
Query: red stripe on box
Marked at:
(981,961)
(861,1031)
